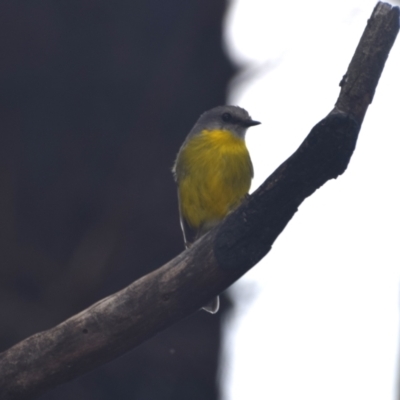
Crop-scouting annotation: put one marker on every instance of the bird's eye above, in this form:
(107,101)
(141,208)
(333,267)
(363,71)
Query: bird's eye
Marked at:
(227,117)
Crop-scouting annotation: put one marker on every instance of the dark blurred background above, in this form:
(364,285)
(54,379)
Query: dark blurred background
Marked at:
(95,99)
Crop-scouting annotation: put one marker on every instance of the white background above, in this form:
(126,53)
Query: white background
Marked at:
(318,317)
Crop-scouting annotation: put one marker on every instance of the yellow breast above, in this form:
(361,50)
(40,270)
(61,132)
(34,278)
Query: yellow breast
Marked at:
(214,173)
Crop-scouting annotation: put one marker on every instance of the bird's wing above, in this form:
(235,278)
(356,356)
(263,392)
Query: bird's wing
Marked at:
(189,234)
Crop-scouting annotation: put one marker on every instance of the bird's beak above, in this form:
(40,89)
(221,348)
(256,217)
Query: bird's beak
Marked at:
(250,122)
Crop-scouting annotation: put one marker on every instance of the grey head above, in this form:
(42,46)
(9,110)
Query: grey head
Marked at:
(232,118)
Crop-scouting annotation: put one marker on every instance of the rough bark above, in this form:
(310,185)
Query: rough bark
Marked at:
(122,321)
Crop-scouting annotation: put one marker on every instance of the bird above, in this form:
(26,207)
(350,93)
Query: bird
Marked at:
(213,173)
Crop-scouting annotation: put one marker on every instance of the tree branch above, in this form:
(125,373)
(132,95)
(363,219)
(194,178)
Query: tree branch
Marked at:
(122,321)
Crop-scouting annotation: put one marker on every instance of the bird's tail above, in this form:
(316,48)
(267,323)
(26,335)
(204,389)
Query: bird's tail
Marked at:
(213,306)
